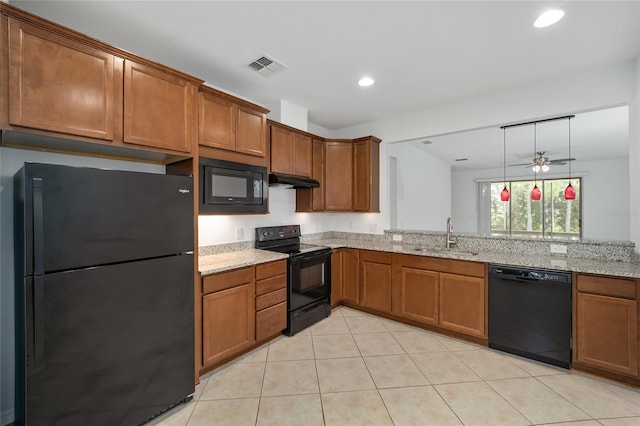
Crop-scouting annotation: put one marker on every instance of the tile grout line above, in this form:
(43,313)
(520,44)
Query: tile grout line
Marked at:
(315,363)
(562,397)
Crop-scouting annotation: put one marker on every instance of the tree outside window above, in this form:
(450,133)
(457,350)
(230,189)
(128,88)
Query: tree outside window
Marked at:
(550,217)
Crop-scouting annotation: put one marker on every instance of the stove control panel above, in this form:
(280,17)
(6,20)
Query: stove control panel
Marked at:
(275,233)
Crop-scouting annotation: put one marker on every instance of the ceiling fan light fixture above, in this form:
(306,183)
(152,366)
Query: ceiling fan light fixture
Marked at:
(544,168)
(535,168)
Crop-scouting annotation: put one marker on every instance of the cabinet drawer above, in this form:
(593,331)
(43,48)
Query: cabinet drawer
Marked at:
(271,269)
(270,299)
(375,256)
(271,284)
(271,321)
(617,287)
(224,280)
(452,266)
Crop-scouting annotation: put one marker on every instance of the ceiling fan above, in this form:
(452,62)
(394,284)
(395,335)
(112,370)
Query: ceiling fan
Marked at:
(541,163)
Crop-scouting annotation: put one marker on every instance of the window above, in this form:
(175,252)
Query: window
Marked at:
(551,217)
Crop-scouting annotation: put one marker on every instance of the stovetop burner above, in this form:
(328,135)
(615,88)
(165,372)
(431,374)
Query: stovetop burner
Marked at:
(284,239)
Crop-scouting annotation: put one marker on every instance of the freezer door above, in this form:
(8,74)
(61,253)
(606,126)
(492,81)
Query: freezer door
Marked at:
(77,217)
(114,345)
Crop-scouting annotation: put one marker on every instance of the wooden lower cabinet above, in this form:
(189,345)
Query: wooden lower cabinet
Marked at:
(607,333)
(415,294)
(228,322)
(350,272)
(462,304)
(336,277)
(271,299)
(375,280)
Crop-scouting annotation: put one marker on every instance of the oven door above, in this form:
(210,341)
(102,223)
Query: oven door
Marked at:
(309,279)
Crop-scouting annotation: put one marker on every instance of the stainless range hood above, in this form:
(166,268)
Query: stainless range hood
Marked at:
(294,182)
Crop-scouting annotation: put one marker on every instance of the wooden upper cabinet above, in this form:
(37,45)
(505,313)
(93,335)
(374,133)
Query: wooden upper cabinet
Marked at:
(312,200)
(251,132)
(281,150)
(224,124)
(291,151)
(366,174)
(158,108)
(302,155)
(216,122)
(338,179)
(60,85)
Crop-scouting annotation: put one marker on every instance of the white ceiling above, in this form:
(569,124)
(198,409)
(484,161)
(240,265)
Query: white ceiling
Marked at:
(594,135)
(421,53)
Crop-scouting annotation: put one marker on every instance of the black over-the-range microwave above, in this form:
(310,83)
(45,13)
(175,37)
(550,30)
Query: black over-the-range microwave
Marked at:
(228,187)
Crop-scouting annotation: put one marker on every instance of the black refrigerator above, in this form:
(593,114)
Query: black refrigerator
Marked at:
(104,295)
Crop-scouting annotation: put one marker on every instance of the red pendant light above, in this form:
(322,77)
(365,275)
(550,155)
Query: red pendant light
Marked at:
(569,192)
(504,195)
(536,194)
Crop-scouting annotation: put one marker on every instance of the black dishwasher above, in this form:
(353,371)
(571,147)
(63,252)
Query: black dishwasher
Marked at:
(530,313)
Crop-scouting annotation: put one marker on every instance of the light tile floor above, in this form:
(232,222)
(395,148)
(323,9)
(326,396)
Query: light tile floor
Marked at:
(358,369)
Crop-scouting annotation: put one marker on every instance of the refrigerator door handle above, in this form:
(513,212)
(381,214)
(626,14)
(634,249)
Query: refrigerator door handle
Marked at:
(38,228)
(38,322)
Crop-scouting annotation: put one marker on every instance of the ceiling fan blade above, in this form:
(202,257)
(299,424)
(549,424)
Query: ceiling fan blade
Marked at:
(561,160)
(522,164)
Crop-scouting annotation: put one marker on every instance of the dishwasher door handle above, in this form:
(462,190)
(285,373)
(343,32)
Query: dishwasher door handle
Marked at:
(516,279)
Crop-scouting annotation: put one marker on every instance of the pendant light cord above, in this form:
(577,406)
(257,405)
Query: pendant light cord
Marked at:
(569,119)
(504,157)
(535,152)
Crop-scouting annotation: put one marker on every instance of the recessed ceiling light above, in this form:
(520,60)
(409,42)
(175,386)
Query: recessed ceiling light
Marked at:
(365,81)
(549,17)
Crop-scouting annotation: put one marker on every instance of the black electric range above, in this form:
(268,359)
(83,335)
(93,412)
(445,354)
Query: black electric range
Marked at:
(308,275)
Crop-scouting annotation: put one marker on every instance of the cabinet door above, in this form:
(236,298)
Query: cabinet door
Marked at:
(281,150)
(228,322)
(375,281)
(350,282)
(338,176)
(462,304)
(415,294)
(59,85)
(251,137)
(361,176)
(302,153)
(607,333)
(336,277)
(317,172)
(158,108)
(216,122)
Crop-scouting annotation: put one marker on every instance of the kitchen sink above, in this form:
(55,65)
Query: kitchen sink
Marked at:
(453,251)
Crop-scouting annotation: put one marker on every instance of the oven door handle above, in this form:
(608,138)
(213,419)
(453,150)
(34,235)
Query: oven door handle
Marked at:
(308,258)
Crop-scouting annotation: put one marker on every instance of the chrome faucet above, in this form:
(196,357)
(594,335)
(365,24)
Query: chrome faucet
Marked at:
(449,229)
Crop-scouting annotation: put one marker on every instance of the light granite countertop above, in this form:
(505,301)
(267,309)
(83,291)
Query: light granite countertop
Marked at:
(592,266)
(214,263)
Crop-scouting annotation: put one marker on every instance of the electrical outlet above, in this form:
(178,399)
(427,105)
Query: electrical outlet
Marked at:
(558,249)
(397,237)
(373,227)
(239,234)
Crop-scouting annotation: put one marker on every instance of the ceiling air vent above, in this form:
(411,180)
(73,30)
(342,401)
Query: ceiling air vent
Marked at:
(267,66)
